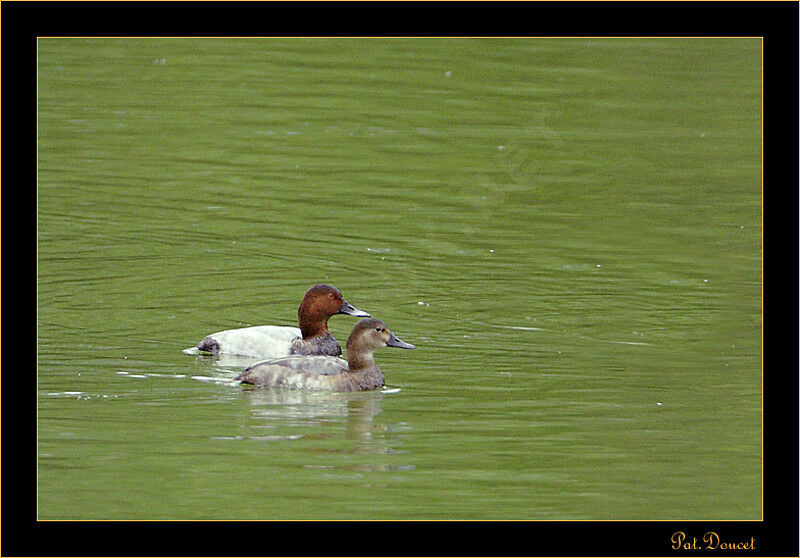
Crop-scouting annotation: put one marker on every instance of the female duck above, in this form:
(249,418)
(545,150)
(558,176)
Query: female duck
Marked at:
(326,373)
(313,338)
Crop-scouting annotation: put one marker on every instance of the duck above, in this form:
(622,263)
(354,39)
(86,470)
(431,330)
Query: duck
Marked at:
(330,373)
(268,341)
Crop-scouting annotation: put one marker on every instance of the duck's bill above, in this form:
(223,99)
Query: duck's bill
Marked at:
(395,342)
(347,309)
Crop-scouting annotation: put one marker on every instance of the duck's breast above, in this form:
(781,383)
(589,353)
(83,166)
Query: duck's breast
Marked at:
(323,345)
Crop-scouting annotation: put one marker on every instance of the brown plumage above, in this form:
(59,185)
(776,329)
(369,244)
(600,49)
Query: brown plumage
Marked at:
(328,373)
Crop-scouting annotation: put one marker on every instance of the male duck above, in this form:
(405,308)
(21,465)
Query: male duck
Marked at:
(312,338)
(328,373)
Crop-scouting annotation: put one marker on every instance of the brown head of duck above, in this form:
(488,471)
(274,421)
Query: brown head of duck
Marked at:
(362,373)
(369,335)
(318,305)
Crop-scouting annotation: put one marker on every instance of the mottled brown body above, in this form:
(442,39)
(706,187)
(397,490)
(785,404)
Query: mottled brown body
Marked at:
(327,373)
(312,373)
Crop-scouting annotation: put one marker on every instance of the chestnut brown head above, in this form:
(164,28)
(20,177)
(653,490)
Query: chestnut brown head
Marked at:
(320,303)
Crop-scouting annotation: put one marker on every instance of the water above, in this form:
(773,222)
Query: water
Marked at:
(568,230)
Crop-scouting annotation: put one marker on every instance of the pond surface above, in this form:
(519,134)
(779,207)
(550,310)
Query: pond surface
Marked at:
(568,230)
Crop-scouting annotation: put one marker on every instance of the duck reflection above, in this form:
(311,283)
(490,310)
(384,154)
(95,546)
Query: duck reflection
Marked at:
(317,418)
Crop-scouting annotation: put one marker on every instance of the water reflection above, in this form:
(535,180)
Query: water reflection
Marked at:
(317,419)
(320,419)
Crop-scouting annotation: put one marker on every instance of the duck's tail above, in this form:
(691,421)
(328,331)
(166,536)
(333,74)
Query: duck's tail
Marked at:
(207,345)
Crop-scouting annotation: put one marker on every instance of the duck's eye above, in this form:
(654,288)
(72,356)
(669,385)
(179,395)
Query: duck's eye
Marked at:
(378,329)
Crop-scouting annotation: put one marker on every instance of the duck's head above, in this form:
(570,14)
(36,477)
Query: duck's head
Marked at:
(371,334)
(320,303)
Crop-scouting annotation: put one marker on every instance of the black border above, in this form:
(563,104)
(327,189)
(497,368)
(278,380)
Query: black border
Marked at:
(22,22)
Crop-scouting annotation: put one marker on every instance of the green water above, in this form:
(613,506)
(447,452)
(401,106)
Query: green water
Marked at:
(568,230)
